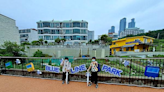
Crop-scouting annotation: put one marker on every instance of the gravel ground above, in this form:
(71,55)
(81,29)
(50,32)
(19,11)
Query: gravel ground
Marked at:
(24,84)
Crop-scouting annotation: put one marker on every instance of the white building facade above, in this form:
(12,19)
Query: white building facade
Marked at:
(90,35)
(28,35)
(131,31)
(8,30)
(72,31)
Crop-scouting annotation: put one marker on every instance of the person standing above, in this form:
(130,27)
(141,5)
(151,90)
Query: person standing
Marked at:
(93,66)
(66,66)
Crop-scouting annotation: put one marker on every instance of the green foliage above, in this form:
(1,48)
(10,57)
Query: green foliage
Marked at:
(11,49)
(106,39)
(90,41)
(35,43)
(63,40)
(125,56)
(25,43)
(159,56)
(46,42)
(39,53)
(50,63)
(57,40)
(41,41)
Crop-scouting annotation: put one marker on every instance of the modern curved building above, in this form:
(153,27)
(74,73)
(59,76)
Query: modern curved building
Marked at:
(73,31)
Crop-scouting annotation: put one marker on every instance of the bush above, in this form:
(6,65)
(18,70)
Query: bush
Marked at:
(38,53)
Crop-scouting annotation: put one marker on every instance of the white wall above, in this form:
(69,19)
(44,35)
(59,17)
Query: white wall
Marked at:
(8,30)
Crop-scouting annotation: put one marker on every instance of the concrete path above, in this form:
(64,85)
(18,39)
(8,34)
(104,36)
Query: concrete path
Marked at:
(24,84)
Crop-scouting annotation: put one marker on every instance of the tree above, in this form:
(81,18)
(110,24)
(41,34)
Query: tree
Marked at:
(38,53)
(90,41)
(46,42)
(41,41)
(106,39)
(63,40)
(35,43)
(12,49)
(57,40)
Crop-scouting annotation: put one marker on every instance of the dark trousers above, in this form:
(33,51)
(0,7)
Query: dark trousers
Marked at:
(64,76)
(94,77)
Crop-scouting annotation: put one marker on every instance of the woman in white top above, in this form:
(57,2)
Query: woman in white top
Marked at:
(94,70)
(66,68)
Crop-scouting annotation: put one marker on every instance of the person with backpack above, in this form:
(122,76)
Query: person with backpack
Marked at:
(66,68)
(94,69)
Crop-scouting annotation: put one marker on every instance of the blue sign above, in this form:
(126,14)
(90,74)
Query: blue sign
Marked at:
(152,71)
(28,66)
(52,68)
(7,64)
(78,69)
(136,41)
(112,70)
(126,63)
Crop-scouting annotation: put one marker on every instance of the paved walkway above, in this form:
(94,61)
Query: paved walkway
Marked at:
(24,84)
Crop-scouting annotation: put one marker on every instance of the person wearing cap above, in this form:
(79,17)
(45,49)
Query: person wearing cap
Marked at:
(66,66)
(93,66)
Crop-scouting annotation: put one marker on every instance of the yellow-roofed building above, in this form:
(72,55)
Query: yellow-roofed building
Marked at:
(136,44)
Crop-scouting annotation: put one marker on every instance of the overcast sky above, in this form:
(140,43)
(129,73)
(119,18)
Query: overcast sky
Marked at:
(100,14)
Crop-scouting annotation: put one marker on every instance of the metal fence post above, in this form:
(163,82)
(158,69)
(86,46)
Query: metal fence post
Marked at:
(0,66)
(22,67)
(130,71)
(42,70)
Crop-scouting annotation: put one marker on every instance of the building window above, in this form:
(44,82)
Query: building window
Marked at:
(67,37)
(52,31)
(84,25)
(40,25)
(76,37)
(57,32)
(40,37)
(47,37)
(24,35)
(46,24)
(132,48)
(20,31)
(76,31)
(114,43)
(67,25)
(46,31)
(82,37)
(145,40)
(127,49)
(57,25)
(55,37)
(76,24)
(83,31)
(40,32)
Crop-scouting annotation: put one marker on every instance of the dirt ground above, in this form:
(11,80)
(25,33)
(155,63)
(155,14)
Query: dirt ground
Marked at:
(24,84)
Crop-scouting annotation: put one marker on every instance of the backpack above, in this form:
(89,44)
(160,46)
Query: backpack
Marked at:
(99,68)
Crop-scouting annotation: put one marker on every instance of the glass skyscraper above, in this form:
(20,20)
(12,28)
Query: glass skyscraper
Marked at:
(112,30)
(122,25)
(131,24)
